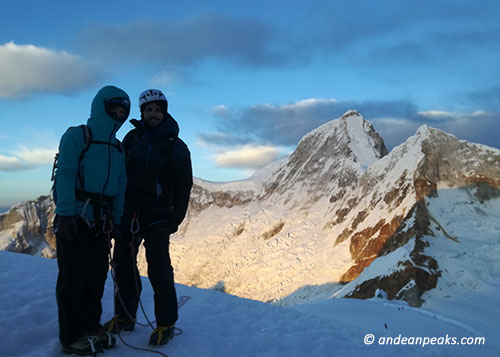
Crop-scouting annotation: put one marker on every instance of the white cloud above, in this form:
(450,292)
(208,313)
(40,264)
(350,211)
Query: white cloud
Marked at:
(173,75)
(311,102)
(37,156)
(163,78)
(248,157)
(479,113)
(11,163)
(25,69)
(26,159)
(435,113)
(221,110)
(167,78)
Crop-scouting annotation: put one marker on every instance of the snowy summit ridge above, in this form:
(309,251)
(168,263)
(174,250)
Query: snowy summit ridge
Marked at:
(364,144)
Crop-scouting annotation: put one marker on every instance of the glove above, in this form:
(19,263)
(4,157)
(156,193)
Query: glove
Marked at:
(67,227)
(172,229)
(168,227)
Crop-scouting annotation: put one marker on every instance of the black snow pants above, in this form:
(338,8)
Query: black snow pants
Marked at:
(160,272)
(83,268)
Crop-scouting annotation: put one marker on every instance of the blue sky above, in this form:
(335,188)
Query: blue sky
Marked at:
(245,80)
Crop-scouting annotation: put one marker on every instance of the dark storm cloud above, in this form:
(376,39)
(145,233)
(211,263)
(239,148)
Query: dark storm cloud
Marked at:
(479,127)
(223,139)
(385,32)
(434,48)
(285,125)
(279,125)
(389,33)
(487,98)
(209,35)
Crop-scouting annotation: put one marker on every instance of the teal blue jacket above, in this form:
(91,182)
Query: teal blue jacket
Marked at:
(102,169)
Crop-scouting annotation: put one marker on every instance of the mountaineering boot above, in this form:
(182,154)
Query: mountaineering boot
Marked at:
(161,335)
(85,346)
(105,337)
(116,325)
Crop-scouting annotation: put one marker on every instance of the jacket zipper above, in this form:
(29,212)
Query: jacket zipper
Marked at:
(109,164)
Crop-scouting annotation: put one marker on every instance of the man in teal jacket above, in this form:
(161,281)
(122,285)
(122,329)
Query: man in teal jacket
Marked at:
(90,184)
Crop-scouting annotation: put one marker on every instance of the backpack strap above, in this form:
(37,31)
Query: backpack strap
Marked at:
(87,139)
(118,146)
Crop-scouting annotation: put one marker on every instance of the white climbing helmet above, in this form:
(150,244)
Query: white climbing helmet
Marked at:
(151,95)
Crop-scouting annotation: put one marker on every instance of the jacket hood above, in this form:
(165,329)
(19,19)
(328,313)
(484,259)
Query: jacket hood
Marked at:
(102,125)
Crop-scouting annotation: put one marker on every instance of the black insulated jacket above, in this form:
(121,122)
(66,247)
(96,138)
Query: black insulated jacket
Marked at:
(159,173)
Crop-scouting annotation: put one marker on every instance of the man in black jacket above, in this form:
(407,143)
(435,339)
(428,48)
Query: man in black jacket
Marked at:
(160,178)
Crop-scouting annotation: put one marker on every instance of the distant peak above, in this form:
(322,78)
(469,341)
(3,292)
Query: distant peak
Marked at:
(350,113)
(423,129)
(427,131)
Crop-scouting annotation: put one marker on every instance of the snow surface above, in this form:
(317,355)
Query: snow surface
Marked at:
(361,144)
(216,324)
(470,281)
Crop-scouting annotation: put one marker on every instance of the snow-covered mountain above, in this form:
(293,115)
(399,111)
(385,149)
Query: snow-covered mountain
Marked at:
(340,206)
(27,228)
(432,191)
(342,217)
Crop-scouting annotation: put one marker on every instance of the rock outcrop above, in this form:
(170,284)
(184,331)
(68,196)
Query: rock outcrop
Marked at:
(27,228)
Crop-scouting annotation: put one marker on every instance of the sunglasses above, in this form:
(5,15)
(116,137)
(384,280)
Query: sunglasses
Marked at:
(111,103)
(118,101)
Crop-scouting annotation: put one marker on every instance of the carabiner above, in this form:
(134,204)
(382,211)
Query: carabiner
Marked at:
(107,228)
(134,224)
